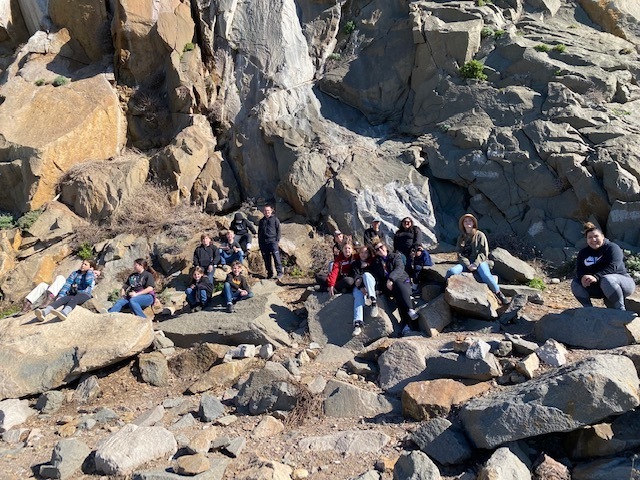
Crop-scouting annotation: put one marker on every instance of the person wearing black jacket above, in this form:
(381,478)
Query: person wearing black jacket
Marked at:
(243,229)
(200,291)
(268,241)
(407,237)
(373,232)
(365,284)
(392,279)
(600,271)
(206,256)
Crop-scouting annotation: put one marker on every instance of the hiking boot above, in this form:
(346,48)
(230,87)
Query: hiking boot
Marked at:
(357,329)
(413,315)
(375,312)
(503,300)
(39,315)
(230,308)
(47,301)
(197,308)
(27,306)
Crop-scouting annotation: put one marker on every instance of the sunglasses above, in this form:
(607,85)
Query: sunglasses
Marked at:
(379,247)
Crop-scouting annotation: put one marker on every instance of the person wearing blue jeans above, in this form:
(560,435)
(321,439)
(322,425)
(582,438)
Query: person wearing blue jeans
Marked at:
(473,255)
(199,292)
(231,250)
(235,287)
(137,293)
(365,287)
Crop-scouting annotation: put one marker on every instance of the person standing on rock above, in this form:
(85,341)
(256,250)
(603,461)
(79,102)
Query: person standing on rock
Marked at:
(243,229)
(600,271)
(206,256)
(75,291)
(473,255)
(393,280)
(268,241)
(365,284)
(137,293)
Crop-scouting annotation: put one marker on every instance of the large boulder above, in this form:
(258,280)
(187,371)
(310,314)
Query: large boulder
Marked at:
(619,17)
(13,30)
(345,400)
(590,327)
(561,400)
(78,121)
(511,268)
(470,297)
(37,357)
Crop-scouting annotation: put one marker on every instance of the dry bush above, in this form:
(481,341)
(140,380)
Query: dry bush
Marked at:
(308,407)
(515,245)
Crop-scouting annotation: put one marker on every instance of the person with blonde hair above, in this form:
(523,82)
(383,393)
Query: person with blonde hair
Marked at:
(600,271)
(473,255)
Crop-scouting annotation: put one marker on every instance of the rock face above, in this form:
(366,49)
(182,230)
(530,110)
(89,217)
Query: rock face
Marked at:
(559,401)
(37,357)
(590,328)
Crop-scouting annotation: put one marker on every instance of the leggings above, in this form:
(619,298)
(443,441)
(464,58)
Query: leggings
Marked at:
(69,302)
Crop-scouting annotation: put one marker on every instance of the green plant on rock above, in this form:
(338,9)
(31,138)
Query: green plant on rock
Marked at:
(619,112)
(296,271)
(538,284)
(482,3)
(114,295)
(561,48)
(28,219)
(486,32)
(499,34)
(188,47)
(632,264)
(8,311)
(473,69)
(85,251)
(59,81)
(7,221)
(39,82)
(349,27)
(334,56)
(542,48)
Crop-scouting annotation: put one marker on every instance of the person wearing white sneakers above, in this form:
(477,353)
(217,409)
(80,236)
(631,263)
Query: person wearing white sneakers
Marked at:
(365,284)
(389,271)
(76,290)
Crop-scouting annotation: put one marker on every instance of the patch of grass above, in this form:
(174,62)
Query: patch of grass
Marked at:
(40,82)
(85,251)
(482,3)
(486,32)
(188,47)
(499,34)
(561,48)
(7,309)
(114,295)
(296,272)
(619,112)
(538,284)
(7,221)
(59,81)
(334,56)
(444,127)
(27,220)
(542,47)
(349,27)
(218,286)
(473,69)
(558,73)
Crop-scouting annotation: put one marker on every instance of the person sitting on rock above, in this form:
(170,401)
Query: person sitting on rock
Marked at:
(236,286)
(200,291)
(42,295)
(340,279)
(373,234)
(75,291)
(393,280)
(243,229)
(365,284)
(600,271)
(406,238)
(206,256)
(137,293)
(231,251)
(419,259)
(473,255)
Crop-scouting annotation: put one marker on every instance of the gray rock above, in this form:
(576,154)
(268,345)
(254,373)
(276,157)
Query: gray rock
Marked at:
(252,323)
(267,390)
(86,422)
(453,365)
(14,412)
(590,327)
(266,351)
(161,342)
(235,446)
(196,360)
(104,415)
(130,447)
(243,351)
(415,466)
(511,268)
(87,390)
(442,441)
(68,456)
(435,316)
(154,369)
(347,401)
(504,465)
(150,417)
(291,364)
(402,363)
(478,350)
(606,469)
(558,401)
(347,442)
(359,368)
(186,421)
(15,435)
(471,297)
(334,356)
(210,408)
(552,353)
(218,466)
(50,402)
(521,346)
(370,475)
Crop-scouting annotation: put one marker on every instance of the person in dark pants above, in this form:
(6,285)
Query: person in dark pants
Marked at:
(199,292)
(268,240)
(243,229)
(206,256)
(391,277)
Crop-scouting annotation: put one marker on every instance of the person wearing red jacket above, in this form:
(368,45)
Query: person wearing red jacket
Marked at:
(340,279)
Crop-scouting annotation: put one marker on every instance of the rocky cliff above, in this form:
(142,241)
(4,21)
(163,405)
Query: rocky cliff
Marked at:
(524,112)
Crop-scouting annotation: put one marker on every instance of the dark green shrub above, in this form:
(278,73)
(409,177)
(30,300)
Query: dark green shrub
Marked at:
(542,48)
(473,69)
(349,27)
(538,284)
(85,251)
(39,82)
(188,47)
(28,219)
(7,221)
(561,48)
(59,81)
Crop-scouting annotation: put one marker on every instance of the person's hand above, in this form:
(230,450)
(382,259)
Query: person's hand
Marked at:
(210,268)
(358,282)
(389,284)
(587,280)
(132,294)
(243,293)
(332,291)
(472,268)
